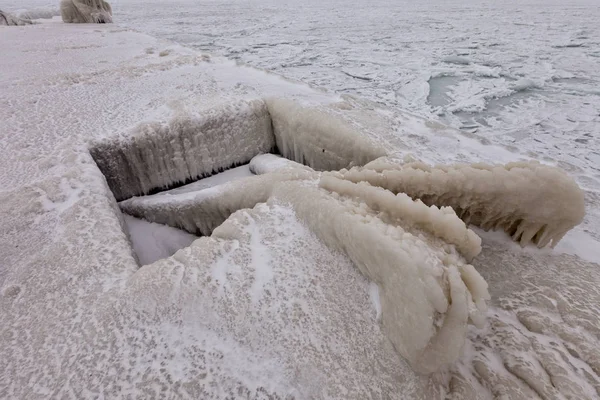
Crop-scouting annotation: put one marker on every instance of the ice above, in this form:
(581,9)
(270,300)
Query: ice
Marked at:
(200,212)
(151,241)
(314,138)
(157,155)
(42,12)
(12,20)
(232,174)
(529,201)
(295,319)
(86,11)
(266,163)
(425,303)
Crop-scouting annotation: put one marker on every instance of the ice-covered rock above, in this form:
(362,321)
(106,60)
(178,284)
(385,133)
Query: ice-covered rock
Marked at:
(12,20)
(86,11)
(200,212)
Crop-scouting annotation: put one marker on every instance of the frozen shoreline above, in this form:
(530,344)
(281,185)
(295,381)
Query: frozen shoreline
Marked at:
(72,293)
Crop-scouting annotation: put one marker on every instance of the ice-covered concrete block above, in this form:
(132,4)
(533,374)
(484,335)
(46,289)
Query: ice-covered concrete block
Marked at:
(158,155)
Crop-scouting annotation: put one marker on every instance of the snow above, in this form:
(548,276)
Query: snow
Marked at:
(240,172)
(151,241)
(81,318)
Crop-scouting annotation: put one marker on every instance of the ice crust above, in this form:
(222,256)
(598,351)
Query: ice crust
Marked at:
(9,19)
(530,201)
(86,11)
(158,155)
(152,242)
(202,211)
(264,308)
(428,292)
(311,137)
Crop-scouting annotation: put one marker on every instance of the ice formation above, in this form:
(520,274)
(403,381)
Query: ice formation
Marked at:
(262,308)
(266,163)
(529,201)
(46,12)
(428,292)
(202,211)
(311,137)
(157,155)
(383,216)
(86,11)
(12,20)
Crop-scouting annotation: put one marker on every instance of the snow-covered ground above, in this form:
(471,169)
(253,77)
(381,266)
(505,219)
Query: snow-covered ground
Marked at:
(264,308)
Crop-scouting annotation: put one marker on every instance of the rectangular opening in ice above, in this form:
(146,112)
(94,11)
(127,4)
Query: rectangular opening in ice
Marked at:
(191,173)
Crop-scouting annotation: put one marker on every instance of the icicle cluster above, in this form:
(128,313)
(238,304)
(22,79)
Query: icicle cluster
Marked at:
(529,201)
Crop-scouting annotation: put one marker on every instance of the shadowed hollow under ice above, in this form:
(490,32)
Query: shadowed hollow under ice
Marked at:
(176,225)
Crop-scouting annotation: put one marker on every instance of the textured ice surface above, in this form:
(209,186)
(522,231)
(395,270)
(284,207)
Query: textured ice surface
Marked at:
(427,291)
(530,201)
(86,11)
(157,155)
(151,241)
(42,12)
(396,53)
(228,175)
(220,318)
(9,19)
(317,139)
(200,212)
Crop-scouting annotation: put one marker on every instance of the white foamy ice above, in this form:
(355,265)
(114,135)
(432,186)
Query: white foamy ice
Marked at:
(417,253)
(44,12)
(86,11)
(266,163)
(428,292)
(204,210)
(261,309)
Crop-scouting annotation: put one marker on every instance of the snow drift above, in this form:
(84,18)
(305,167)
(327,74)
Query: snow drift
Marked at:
(86,11)
(529,201)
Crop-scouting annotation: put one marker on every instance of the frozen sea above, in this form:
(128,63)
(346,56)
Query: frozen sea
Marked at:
(520,73)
